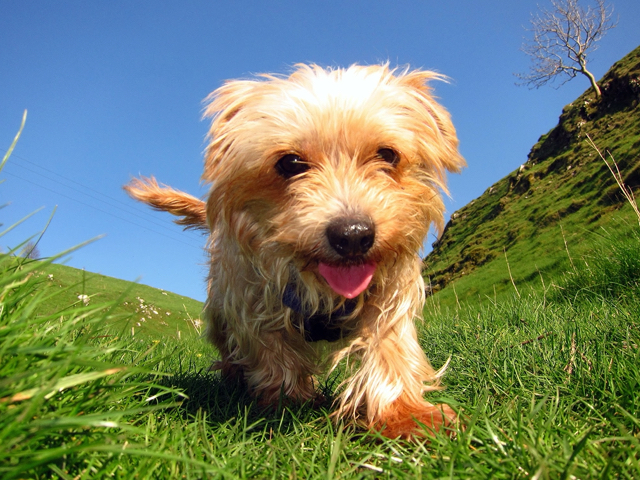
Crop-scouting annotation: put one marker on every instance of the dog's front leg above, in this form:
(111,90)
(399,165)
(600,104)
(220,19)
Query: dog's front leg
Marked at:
(387,389)
(276,367)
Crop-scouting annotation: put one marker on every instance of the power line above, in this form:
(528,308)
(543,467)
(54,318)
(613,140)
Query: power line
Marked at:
(127,205)
(102,211)
(147,217)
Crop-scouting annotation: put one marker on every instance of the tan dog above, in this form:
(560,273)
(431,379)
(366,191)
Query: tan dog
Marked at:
(323,187)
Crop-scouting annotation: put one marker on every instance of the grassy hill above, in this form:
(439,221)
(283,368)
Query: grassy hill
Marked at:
(140,309)
(547,210)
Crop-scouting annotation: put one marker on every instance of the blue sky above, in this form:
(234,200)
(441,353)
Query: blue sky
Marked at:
(114,89)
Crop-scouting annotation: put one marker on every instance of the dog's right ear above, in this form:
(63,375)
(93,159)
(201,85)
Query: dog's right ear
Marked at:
(224,105)
(225,102)
(166,199)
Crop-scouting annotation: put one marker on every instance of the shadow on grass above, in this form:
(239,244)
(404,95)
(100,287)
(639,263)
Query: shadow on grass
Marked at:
(225,400)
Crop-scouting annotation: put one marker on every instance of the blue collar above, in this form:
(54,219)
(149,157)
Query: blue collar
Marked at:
(319,326)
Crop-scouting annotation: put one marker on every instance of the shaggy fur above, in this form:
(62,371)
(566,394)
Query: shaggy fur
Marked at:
(323,187)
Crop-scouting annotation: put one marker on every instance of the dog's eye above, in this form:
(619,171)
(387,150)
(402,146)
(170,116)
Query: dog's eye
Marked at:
(291,165)
(388,155)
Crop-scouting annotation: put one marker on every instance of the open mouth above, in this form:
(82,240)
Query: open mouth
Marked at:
(348,281)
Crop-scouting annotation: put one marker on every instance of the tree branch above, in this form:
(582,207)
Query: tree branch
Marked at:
(561,40)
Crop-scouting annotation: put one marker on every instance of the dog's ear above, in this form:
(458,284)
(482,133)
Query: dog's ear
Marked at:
(437,136)
(166,199)
(223,105)
(225,102)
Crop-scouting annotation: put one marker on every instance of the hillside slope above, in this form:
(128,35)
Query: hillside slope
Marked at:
(139,309)
(563,191)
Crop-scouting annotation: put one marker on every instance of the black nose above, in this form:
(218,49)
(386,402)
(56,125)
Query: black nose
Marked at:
(351,237)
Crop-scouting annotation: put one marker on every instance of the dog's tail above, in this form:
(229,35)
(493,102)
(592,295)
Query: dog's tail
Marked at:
(191,209)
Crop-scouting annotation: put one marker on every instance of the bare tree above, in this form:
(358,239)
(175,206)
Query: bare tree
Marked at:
(30,250)
(561,40)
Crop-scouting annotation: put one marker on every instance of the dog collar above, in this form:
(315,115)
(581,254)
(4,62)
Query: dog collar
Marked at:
(319,326)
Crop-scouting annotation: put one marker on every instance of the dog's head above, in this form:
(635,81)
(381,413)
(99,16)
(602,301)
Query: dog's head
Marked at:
(336,172)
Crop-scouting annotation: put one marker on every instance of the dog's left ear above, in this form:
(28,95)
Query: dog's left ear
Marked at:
(436,134)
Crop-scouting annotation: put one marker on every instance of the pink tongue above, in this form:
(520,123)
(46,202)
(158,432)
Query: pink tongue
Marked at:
(348,281)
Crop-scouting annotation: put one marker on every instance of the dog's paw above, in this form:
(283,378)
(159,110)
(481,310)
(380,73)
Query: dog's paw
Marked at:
(409,423)
(230,372)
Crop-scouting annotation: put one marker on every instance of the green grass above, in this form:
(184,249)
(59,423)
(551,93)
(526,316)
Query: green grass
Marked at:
(536,261)
(611,270)
(548,387)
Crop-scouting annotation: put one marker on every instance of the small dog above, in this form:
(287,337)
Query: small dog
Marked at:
(323,188)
